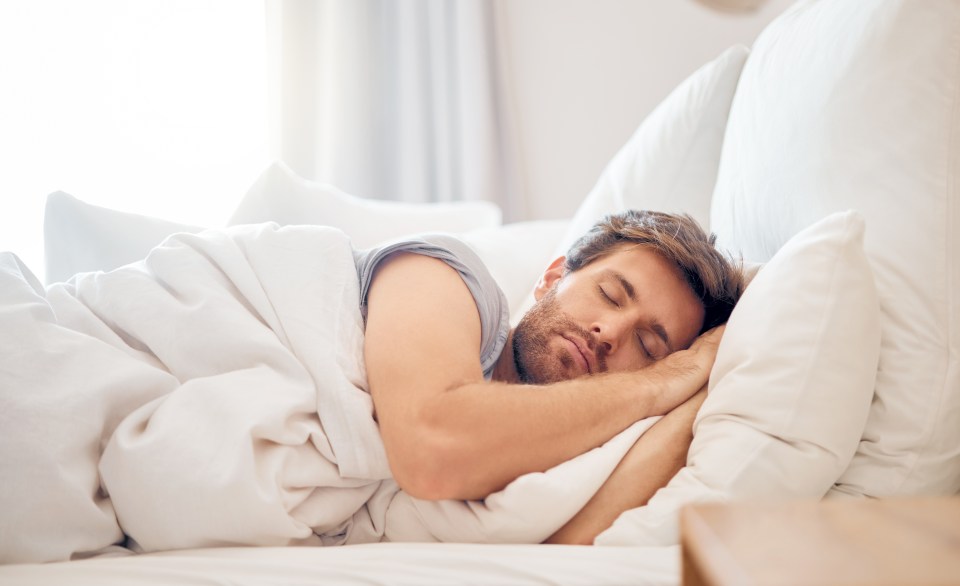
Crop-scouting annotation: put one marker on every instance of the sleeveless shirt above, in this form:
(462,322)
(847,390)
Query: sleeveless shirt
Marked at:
(489,298)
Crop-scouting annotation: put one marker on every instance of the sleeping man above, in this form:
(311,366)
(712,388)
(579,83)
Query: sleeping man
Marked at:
(625,327)
(267,385)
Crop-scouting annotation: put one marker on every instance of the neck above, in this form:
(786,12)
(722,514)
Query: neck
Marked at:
(505,370)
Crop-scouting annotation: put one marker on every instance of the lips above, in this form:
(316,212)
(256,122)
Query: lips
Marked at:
(580,351)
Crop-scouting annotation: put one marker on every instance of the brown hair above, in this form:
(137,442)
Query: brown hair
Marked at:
(715,279)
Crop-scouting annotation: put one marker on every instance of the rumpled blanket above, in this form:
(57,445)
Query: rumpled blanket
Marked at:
(215,394)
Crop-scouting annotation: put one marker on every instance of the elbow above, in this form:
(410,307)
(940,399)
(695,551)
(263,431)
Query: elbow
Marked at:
(426,466)
(427,480)
(425,485)
(436,462)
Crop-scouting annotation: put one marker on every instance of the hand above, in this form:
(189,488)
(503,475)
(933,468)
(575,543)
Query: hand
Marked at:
(685,372)
(710,339)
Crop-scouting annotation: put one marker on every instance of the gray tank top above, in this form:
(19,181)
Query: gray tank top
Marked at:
(491,301)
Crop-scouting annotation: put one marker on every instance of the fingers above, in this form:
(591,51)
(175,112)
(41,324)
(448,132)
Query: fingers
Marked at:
(684,374)
(704,348)
(711,337)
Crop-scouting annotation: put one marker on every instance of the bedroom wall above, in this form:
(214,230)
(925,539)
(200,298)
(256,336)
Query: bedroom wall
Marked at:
(583,75)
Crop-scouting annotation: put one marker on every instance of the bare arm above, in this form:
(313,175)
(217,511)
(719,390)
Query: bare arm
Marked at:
(649,465)
(449,434)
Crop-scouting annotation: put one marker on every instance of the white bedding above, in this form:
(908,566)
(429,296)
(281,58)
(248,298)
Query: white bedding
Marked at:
(894,162)
(214,395)
(393,564)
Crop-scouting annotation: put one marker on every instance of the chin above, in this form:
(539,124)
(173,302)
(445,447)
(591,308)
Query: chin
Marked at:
(549,376)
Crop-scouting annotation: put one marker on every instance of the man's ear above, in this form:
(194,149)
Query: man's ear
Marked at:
(549,278)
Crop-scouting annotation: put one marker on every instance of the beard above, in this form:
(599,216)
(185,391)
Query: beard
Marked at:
(532,356)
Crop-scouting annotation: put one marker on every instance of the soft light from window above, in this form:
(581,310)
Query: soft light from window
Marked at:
(150,106)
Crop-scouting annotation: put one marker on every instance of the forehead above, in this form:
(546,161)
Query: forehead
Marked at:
(637,260)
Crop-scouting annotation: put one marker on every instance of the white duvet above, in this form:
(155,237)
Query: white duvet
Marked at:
(214,394)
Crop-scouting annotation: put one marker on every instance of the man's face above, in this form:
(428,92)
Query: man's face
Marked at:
(620,312)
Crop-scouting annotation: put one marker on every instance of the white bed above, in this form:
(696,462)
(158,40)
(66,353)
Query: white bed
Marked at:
(829,152)
(413,564)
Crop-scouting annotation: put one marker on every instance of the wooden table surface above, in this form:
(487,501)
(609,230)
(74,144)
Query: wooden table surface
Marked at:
(908,542)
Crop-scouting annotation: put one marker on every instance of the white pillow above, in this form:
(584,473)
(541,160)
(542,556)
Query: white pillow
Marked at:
(80,237)
(856,105)
(280,195)
(790,390)
(670,162)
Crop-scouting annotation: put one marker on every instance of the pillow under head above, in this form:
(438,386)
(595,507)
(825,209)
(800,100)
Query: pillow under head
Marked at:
(791,387)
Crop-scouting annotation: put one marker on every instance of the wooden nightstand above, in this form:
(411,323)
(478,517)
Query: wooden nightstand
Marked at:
(908,542)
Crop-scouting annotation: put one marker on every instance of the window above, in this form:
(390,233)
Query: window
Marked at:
(148,106)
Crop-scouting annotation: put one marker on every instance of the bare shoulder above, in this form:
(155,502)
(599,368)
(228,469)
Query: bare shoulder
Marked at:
(417,280)
(420,316)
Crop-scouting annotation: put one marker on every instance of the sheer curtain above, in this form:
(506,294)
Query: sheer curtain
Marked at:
(171,108)
(394,99)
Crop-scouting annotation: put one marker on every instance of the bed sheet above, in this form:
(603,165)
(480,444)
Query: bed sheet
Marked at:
(394,564)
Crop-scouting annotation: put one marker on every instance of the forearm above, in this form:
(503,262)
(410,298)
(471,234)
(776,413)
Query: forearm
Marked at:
(654,459)
(491,433)
(482,436)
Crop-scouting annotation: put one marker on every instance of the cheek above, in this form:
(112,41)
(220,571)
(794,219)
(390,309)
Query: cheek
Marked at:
(627,359)
(577,304)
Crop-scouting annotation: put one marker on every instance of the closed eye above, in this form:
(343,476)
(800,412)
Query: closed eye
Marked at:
(643,346)
(607,297)
(652,347)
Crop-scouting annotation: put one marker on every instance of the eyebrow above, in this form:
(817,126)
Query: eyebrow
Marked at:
(661,331)
(628,288)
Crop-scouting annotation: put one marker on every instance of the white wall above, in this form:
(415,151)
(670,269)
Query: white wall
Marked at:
(582,75)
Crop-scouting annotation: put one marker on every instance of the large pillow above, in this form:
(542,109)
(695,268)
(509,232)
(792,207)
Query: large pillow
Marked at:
(791,387)
(281,196)
(80,237)
(856,105)
(670,162)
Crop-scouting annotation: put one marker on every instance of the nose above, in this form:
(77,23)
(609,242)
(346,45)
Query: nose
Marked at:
(606,343)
